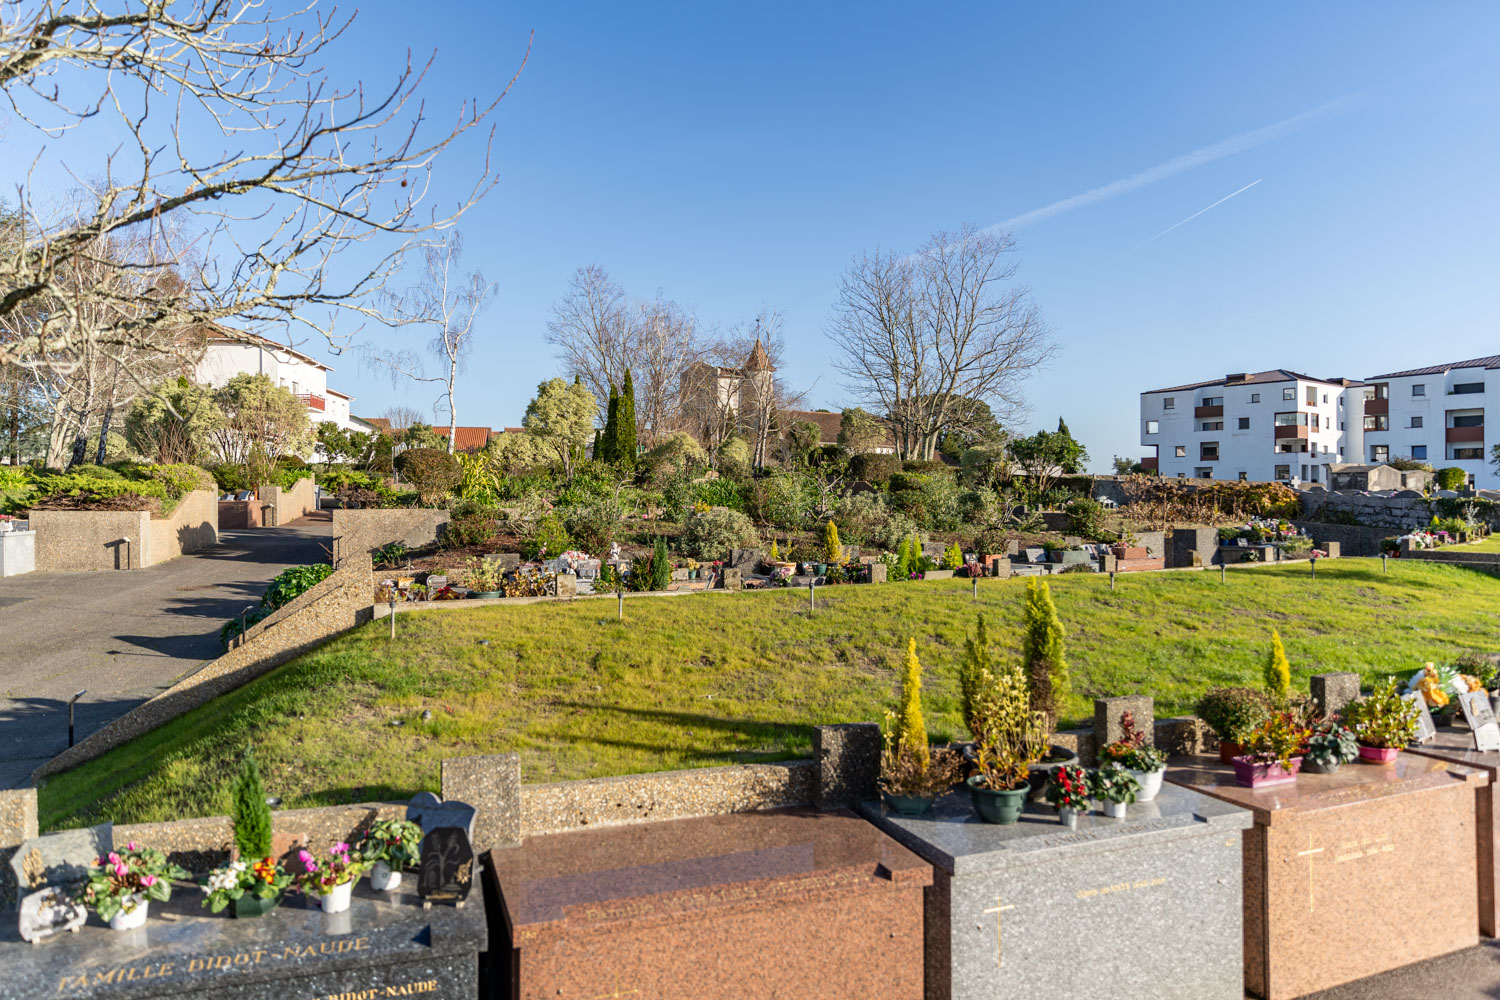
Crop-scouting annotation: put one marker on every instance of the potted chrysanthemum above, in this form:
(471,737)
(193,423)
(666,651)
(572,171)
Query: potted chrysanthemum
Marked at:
(331,878)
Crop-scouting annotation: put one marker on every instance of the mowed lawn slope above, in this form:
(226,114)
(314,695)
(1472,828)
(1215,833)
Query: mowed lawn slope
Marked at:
(722,678)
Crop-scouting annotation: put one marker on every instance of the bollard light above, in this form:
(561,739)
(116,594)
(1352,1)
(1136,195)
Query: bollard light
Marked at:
(71,702)
(1111,579)
(393,616)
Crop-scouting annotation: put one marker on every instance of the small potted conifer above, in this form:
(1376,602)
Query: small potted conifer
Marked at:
(912,774)
(254,880)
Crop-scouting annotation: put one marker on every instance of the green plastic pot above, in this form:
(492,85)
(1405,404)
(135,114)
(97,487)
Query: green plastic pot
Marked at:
(253,906)
(1003,807)
(906,805)
(481,594)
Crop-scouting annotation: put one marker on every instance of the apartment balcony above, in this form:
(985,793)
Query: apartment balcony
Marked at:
(1462,435)
(1378,407)
(1208,411)
(312,402)
(1291,431)
(1150,463)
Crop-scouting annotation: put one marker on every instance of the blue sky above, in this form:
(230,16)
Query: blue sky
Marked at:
(738,158)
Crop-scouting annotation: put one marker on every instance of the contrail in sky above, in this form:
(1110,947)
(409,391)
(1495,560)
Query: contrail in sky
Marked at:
(1176,165)
(1190,218)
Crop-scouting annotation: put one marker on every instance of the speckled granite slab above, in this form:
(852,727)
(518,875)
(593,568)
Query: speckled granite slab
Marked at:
(1146,906)
(1455,745)
(1340,869)
(787,903)
(384,945)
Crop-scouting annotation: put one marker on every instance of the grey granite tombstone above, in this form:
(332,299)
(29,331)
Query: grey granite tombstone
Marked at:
(430,812)
(1333,691)
(1147,906)
(60,858)
(504,561)
(1036,555)
(384,945)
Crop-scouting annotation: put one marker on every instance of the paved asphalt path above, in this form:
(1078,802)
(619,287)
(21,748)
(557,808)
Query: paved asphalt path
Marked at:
(124,636)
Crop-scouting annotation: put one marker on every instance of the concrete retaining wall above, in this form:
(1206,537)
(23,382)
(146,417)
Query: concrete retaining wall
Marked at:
(337,604)
(77,540)
(288,505)
(1455,555)
(1398,512)
(1353,540)
(192,526)
(359,532)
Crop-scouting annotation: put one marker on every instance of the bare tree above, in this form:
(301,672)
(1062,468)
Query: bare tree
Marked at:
(600,333)
(736,387)
(451,303)
(307,168)
(401,417)
(916,334)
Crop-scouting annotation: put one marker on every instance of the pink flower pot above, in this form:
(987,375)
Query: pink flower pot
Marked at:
(1378,755)
(1253,774)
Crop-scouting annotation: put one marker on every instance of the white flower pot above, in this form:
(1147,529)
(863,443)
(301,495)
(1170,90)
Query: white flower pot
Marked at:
(134,914)
(1150,782)
(1114,810)
(337,899)
(1069,818)
(382,878)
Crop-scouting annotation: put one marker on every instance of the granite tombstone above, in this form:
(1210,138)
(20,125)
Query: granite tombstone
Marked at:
(60,858)
(1456,746)
(446,869)
(430,812)
(1018,911)
(1481,719)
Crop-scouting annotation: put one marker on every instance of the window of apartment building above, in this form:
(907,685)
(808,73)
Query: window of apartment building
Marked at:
(1181,451)
(1419,452)
(1169,403)
(1291,420)
(1462,454)
(1152,426)
(1293,445)
(1465,388)
(1283,472)
(1255,397)
(1290,392)
(1244,476)
(1380,452)
(1377,423)
(1212,425)
(1208,451)
(1325,397)
(1380,390)
(1244,423)
(1213,401)
(1469,420)
(1418,389)
(1415,422)
(1203,473)
(1312,395)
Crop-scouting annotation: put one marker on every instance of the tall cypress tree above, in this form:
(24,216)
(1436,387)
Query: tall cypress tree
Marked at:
(625,431)
(605,451)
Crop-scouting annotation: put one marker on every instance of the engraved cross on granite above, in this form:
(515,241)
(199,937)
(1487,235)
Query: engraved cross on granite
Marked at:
(1310,854)
(998,909)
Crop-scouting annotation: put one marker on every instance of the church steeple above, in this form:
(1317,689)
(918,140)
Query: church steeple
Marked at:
(759,360)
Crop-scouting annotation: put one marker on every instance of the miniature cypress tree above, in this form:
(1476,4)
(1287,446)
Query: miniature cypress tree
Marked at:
(604,449)
(953,558)
(971,669)
(252,817)
(624,447)
(1042,650)
(1278,671)
(775,555)
(661,566)
(833,552)
(911,731)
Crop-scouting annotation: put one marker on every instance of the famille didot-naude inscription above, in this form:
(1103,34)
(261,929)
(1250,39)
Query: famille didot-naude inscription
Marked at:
(116,975)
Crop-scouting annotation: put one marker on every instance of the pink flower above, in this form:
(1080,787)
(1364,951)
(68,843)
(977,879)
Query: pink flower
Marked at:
(121,871)
(148,880)
(130,846)
(114,858)
(305,856)
(339,848)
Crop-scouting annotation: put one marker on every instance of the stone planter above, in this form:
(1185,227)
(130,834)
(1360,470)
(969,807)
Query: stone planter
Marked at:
(938,574)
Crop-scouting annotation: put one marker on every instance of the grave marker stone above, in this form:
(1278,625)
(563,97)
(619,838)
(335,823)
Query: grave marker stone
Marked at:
(446,871)
(1481,719)
(60,859)
(1426,729)
(430,812)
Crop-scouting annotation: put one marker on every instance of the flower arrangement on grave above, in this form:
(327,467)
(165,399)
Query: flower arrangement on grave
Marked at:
(122,884)
(1383,722)
(1068,788)
(483,577)
(391,845)
(331,877)
(1233,713)
(1280,740)
(1008,739)
(953,557)
(1114,786)
(1132,750)
(1439,683)
(1330,745)
(911,773)
(264,882)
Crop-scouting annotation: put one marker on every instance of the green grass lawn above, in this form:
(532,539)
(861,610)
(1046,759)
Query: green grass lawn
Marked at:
(1490,544)
(721,678)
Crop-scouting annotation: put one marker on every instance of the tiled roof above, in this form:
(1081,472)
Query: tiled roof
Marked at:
(466,438)
(1249,378)
(222,335)
(1491,362)
(828,424)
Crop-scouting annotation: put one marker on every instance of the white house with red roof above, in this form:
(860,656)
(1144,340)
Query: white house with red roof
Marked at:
(226,356)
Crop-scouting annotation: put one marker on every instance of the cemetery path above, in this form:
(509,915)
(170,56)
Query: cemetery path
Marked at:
(124,636)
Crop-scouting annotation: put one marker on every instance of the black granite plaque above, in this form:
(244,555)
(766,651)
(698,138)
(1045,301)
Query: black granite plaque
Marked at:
(447,866)
(384,945)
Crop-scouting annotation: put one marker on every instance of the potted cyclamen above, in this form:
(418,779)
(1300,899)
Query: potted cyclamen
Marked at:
(1273,752)
(1146,763)
(1331,745)
(253,889)
(331,879)
(1383,723)
(391,845)
(1113,787)
(1068,792)
(912,774)
(122,884)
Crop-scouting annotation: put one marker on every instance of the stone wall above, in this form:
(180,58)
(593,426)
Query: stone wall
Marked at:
(79,540)
(1353,540)
(1402,511)
(288,505)
(359,532)
(17,823)
(1455,555)
(333,606)
(1188,547)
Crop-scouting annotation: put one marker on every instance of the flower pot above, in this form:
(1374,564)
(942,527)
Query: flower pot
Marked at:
(906,805)
(1229,750)
(1378,755)
(483,594)
(1068,818)
(383,878)
(997,806)
(1255,774)
(253,906)
(133,915)
(1038,773)
(337,899)
(1150,782)
(1313,767)
(1114,810)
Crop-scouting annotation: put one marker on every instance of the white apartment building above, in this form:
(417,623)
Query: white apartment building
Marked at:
(307,378)
(1435,414)
(1275,424)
